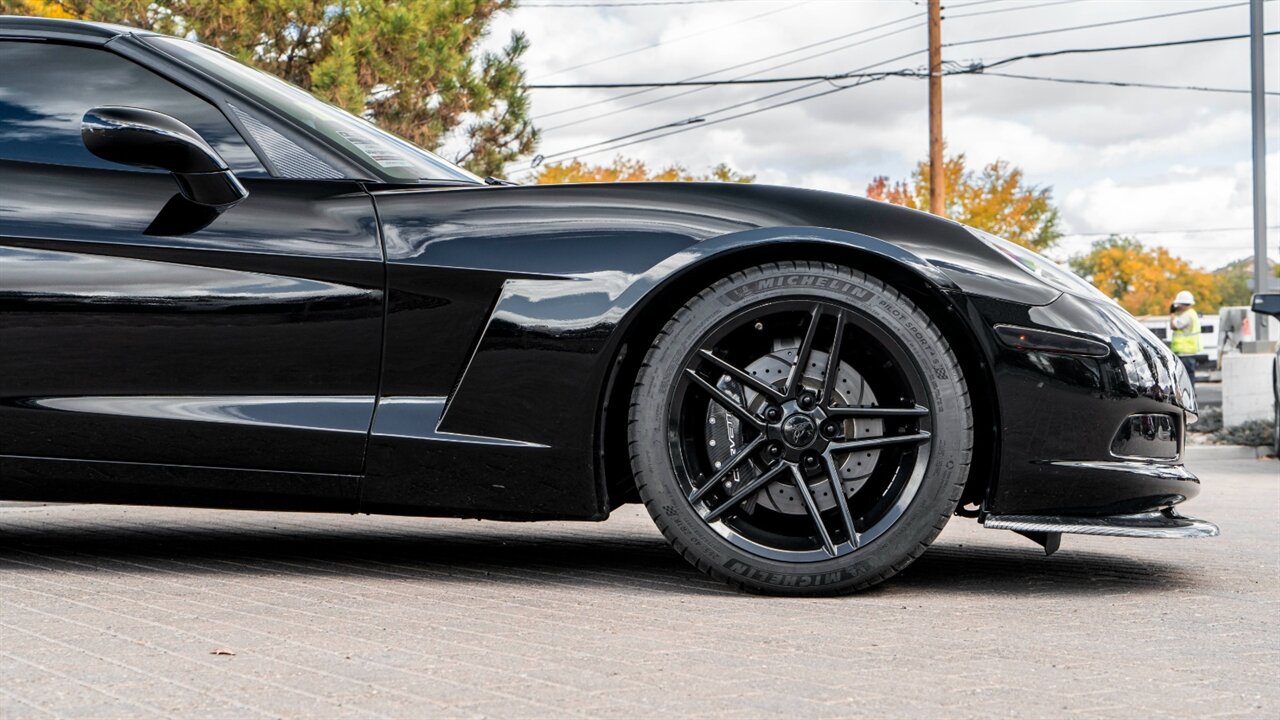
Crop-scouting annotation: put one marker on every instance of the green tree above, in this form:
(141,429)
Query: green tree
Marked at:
(995,199)
(1233,282)
(630,170)
(411,66)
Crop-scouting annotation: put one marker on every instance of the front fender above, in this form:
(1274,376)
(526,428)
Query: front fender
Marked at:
(717,248)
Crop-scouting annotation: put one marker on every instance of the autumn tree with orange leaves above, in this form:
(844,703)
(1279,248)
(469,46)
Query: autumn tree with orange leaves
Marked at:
(1144,279)
(996,199)
(631,170)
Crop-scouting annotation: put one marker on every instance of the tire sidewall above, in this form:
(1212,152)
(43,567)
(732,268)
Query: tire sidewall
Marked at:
(940,485)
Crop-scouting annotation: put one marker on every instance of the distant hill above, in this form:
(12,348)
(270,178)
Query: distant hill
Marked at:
(1233,280)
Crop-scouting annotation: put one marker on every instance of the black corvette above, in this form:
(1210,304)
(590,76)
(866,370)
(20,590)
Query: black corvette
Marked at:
(218,291)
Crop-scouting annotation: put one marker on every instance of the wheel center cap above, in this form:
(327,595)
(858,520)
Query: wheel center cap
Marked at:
(799,431)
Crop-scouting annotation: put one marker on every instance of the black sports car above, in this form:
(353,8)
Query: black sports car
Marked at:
(218,291)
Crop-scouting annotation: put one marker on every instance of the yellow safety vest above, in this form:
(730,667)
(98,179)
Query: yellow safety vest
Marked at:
(1187,340)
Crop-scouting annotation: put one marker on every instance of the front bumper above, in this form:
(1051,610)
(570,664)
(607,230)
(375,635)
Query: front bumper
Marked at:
(1088,436)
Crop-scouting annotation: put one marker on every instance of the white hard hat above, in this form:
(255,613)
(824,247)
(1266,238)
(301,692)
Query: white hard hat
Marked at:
(1184,298)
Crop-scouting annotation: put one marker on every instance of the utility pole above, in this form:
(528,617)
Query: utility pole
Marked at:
(937,183)
(1260,275)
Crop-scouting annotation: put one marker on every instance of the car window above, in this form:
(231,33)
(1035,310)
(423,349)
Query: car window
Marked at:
(389,156)
(42,105)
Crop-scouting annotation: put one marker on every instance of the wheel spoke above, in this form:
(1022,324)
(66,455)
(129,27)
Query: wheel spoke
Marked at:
(803,488)
(744,492)
(833,362)
(743,377)
(727,402)
(802,354)
(839,413)
(865,443)
(837,491)
(727,468)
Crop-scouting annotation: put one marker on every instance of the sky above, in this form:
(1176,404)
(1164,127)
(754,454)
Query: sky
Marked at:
(1171,167)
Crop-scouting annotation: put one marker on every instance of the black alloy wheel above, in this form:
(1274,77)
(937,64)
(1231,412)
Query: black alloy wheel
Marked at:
(800,428)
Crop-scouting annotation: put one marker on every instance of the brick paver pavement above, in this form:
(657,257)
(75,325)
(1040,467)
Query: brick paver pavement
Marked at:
(115,611)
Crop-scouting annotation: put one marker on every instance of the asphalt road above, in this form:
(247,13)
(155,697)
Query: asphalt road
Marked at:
(137,612)
(1209,394)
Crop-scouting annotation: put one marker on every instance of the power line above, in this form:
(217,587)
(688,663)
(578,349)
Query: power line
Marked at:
(977,67)
(701,121)
(1189,231)
(1018,8)
(651,88)
(695,83)
(860,77)
(1118,83)
(975,70)
(975,3)
(1142,46)
(737,66)
(744,80)
(1091,26)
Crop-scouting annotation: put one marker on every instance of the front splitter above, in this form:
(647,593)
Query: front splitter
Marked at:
(1047,529)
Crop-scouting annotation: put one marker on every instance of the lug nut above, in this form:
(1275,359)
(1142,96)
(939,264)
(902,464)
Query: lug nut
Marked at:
(810,460)
(829,429)
(807,400)
(773,413)
(775,449)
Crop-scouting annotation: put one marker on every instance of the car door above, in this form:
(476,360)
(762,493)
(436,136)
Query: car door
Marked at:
(133,330)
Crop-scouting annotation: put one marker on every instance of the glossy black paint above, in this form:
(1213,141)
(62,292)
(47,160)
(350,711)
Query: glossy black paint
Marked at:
(145,138)
(1060,414)
(569,272)
(253,343)
(465,349)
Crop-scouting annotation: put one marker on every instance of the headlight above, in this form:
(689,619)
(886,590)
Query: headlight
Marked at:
(1038,265)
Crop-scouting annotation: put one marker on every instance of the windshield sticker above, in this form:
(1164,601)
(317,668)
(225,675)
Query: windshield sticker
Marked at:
(377,153)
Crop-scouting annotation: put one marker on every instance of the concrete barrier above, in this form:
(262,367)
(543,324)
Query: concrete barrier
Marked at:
(1246,388)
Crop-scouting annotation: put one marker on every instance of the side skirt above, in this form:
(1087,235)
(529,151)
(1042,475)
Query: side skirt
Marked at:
(123,483)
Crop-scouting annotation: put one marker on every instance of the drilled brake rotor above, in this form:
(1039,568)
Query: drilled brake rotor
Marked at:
(724,431)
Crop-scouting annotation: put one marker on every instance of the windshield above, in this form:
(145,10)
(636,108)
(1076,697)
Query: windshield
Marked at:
(388,155)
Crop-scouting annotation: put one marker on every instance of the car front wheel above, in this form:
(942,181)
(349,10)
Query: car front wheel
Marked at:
(800,428)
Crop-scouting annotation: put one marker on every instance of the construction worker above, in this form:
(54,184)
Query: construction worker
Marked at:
(1186,332)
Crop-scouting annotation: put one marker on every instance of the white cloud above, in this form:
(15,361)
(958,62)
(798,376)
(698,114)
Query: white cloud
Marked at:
(987,139)
(1156,208)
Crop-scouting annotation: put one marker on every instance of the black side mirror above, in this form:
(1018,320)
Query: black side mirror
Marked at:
(145,138)
(1267,304)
